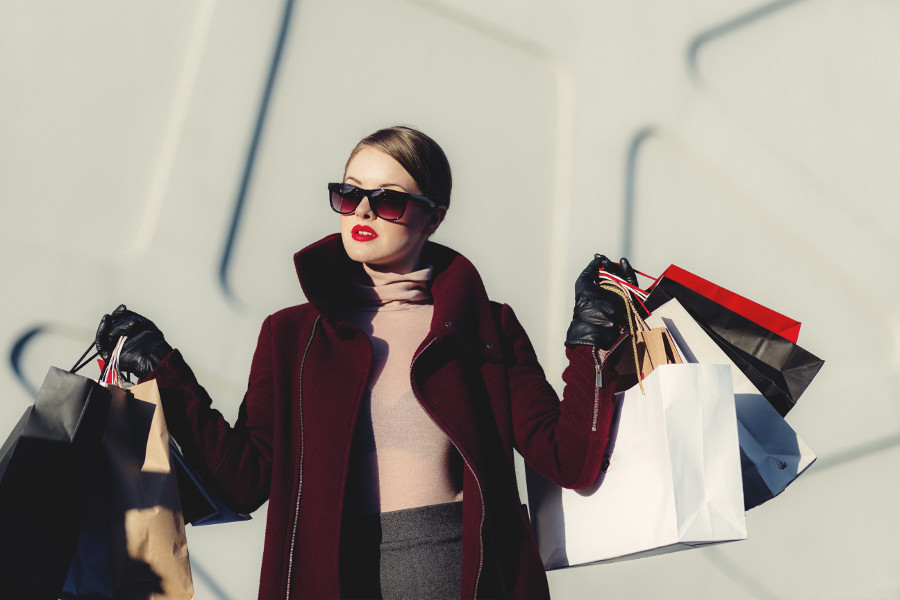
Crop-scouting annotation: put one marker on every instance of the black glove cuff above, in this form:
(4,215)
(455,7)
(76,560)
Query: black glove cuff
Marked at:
(582,333)
(157,353)
(143,353)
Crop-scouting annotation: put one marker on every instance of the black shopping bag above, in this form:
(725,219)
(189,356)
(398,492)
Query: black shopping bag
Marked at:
(200,503)
(47,467)
(779,368)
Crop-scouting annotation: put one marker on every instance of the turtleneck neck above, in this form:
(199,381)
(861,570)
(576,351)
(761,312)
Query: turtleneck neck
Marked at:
(376,290)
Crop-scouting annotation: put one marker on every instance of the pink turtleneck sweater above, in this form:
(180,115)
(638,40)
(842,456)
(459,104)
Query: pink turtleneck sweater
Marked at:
(400,458)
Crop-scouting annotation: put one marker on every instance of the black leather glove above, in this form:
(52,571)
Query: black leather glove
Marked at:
(599,314)
(145,347)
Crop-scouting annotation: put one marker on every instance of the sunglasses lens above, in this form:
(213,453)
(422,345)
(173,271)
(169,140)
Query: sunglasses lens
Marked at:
(389,205)
(386,204)
(345,198)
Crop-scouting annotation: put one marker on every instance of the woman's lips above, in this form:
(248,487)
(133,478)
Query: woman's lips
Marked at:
(363,233)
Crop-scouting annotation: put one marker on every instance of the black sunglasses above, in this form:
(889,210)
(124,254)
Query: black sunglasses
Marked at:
(386,204)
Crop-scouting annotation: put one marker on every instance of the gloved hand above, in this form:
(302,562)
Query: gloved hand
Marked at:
(145,347)
(599,314)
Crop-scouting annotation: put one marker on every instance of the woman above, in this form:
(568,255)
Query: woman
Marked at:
(381,416)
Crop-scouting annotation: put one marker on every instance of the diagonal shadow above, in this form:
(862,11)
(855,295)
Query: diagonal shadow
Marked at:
(761,12)
(250,162)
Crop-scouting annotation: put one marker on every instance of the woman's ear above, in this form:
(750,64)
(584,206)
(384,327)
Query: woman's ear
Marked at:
(435,219)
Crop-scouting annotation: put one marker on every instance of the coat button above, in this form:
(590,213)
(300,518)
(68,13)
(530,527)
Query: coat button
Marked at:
(448,324)
(489,345)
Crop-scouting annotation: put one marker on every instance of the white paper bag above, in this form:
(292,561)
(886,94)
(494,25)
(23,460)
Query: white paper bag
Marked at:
(673,482)
(772,454)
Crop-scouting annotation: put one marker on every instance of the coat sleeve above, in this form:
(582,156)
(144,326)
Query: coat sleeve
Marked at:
(564,441)
(239,458)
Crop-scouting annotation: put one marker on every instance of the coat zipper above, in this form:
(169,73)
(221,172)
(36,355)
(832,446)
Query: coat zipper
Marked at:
(598,385)
(465,460)
(598,366)
(300,470)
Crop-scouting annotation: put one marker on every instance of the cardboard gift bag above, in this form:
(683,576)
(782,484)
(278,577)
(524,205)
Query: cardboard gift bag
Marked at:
(133,543)
(673,481)
(645,347)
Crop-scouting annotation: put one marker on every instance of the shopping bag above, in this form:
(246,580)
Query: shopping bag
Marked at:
(778,367)
(772,454)
(137,547)
(673,482)
(645,348)
(47,465)
(643,351)
(133,543)
(200,502)
(775,322)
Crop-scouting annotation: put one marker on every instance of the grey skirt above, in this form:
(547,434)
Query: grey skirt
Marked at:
(414,553)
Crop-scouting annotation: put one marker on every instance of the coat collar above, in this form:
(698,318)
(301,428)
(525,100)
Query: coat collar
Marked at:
(461,306)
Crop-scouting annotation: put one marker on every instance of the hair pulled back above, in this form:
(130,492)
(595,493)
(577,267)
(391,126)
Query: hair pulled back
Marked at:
(418,154)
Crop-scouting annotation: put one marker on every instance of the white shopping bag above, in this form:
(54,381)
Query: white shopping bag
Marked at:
(673,482)
(772,454)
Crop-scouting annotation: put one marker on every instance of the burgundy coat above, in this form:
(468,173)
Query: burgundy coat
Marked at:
(476,375)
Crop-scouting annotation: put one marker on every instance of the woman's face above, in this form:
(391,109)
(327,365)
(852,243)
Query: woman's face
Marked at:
(391,246)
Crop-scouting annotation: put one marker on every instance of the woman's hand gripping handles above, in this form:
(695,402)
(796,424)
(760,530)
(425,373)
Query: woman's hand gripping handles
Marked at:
(600,314)
(145,347)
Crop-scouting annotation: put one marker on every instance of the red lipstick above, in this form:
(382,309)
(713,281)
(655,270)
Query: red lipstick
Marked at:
(363,233)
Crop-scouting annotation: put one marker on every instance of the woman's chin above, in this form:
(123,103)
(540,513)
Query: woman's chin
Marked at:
(357,251)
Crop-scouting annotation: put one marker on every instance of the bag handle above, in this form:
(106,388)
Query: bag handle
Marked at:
(111,374)
(636,292)
(83,362)
(637,327)
(635,322)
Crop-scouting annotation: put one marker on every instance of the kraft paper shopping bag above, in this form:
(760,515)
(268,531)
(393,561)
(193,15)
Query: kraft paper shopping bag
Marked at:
(134,543)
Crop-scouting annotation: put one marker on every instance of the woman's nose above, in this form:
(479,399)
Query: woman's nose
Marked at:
(364,210)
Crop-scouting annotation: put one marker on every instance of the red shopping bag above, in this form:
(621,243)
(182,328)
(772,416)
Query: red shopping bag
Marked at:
(775,322)
(778,366)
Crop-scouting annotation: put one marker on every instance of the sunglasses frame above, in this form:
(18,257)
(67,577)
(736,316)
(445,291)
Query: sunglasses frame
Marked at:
(374,197)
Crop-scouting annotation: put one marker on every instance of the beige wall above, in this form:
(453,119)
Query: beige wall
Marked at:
(753,142)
